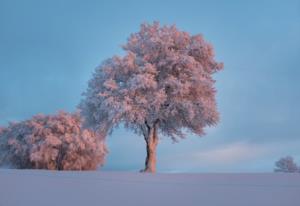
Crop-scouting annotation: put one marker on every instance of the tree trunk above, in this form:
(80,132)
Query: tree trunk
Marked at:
(151,144)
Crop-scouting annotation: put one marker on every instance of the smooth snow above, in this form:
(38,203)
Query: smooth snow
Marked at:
(52,188)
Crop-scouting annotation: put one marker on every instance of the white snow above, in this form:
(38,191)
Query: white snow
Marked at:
(52,188)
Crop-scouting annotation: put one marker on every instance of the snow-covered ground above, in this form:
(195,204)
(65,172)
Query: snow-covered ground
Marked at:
(50,188)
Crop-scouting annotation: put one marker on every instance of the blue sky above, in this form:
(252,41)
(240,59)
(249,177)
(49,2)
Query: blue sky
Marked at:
(48,50)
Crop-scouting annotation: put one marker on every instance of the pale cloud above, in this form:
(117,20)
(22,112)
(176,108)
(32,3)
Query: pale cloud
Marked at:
(230,154)
(231,157)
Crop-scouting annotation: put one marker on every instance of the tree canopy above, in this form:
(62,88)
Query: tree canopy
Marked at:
(165,78)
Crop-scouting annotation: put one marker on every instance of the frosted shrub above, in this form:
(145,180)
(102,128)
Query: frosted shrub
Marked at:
(286,164)
(54,142)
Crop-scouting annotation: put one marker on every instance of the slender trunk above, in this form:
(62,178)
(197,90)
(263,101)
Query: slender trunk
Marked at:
(151,144)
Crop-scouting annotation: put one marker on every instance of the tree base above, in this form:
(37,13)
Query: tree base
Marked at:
(147,171)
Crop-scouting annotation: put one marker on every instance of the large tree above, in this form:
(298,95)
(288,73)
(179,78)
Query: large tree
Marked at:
(163,84)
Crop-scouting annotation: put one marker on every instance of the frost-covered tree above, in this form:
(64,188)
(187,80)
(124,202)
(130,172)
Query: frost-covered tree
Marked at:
(55,142)
(286,164)
(163,84)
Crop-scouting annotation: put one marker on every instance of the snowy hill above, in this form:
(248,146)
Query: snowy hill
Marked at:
(50,188)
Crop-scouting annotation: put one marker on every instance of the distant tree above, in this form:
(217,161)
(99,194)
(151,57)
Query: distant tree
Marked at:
(286,164)
(55,142)
(163,84)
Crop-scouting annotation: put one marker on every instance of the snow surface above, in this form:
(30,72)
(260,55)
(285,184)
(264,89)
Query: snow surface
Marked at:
(52,188)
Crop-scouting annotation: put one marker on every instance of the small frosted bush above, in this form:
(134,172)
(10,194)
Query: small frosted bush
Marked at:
(286,164)
(55,142)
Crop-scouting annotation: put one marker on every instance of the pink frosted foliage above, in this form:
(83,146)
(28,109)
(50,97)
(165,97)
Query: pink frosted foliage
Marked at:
(55,142)
(164,79)
(286,164)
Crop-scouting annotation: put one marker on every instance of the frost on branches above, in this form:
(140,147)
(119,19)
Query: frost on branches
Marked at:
(51,142)
(163,84)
